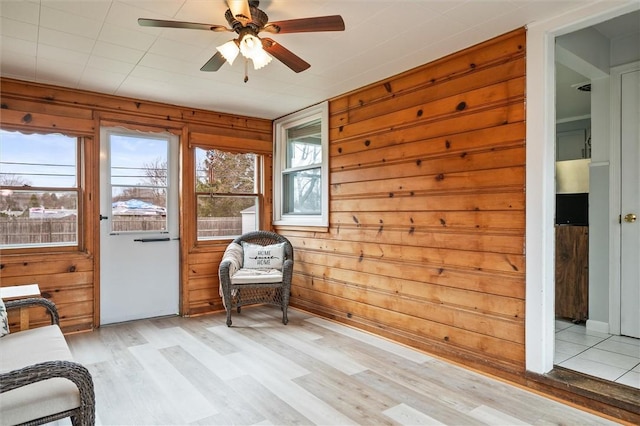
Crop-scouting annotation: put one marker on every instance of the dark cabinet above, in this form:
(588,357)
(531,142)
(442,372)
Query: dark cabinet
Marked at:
(572,272)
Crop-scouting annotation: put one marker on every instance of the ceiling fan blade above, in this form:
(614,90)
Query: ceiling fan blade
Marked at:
(306,25)
(161,23)
(284,55)
(240,9)
(214,63)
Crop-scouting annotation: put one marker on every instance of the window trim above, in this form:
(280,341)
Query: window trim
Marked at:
(281,125)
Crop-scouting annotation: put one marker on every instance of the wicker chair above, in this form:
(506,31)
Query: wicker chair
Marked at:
(84,413)
(237,292)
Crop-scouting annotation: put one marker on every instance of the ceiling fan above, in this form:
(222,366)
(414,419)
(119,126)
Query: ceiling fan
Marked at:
(247,20)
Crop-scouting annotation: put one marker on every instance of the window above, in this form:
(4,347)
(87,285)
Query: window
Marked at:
(301,175)
(39,190)
(139,180)
(226,193)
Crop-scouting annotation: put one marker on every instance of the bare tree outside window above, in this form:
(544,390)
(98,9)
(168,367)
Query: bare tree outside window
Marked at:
(226,192)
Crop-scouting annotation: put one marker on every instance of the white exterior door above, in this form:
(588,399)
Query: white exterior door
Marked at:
(139,247)
(630,205)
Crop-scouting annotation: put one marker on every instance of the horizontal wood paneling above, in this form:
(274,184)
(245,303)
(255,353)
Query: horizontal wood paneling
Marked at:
(71,279)
(66,279)
(427,214)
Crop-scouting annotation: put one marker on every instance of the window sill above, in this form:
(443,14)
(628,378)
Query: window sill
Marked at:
(306,228)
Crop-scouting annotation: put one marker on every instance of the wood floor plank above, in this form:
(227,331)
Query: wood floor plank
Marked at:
(354,399)
(212,360)
(309,405)
(231,407)
(178,391)
(372,340)
(269,359)
(275,410)
(178,371)
(328,356)
(492,416)
(406,415)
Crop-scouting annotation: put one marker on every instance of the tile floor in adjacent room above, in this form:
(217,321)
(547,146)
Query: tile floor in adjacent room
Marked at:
(610,357)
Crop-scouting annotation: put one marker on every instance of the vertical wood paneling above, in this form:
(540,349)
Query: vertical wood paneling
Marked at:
(426,236)
(71,279)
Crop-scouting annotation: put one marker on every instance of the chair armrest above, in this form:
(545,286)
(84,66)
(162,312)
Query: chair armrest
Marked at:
(287,268)
(76,373)
(36,301)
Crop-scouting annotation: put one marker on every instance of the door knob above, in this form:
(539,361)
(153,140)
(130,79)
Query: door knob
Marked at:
(630,217)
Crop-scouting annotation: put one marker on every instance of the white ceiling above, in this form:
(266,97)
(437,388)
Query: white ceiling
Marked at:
(572,104)
(97,45)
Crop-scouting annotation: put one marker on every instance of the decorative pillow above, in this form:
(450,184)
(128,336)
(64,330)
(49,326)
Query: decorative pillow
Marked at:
(263,257)
(4,320)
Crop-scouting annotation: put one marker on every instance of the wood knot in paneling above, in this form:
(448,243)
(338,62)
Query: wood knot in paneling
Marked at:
(27,118)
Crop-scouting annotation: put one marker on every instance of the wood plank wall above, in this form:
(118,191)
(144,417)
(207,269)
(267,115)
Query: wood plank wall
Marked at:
(427,219)
(71,278)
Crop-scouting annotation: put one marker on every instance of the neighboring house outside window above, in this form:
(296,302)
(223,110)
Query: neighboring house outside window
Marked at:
(227,195)
(40,190)
(301,175)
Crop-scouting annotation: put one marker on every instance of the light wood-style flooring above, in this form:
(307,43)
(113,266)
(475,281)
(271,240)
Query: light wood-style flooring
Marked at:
(179,371)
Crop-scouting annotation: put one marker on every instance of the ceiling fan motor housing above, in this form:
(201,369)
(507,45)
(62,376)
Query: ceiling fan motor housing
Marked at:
(258,20)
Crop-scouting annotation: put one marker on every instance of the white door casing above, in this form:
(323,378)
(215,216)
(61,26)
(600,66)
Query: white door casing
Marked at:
(139,270)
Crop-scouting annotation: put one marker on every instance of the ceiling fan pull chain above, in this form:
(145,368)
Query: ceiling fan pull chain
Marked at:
(246,70)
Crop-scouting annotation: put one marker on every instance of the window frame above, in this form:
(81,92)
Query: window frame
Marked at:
(258,194)
(78,188)
(281,126)
(107,133)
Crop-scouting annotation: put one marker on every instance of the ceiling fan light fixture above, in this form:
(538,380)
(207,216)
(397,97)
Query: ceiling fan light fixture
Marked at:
(229,50)
(250,45)
(260,59)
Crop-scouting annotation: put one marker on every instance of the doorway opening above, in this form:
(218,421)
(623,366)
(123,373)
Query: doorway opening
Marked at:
(597,330)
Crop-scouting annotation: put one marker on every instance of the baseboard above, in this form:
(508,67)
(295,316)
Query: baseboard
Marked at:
(599,326)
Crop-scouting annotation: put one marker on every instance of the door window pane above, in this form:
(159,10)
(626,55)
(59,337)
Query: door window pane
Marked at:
(139,180)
